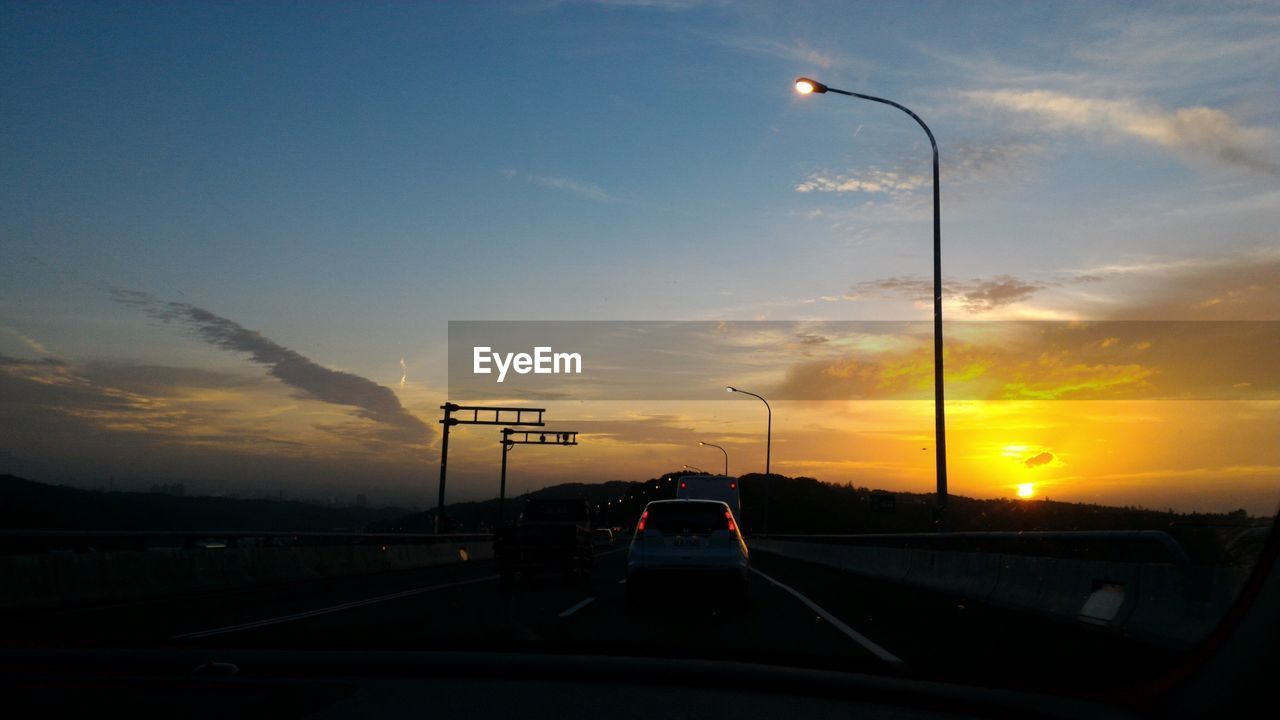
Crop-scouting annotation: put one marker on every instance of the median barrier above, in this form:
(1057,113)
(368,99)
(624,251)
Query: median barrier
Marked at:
(1022,582)
(1161,605)
(1155,602)
(61,579)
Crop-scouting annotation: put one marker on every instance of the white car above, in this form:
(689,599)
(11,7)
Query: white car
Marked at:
(684,542)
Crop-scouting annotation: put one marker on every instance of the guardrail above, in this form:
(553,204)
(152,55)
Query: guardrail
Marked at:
(1104,545)
(46,569)
(18,542)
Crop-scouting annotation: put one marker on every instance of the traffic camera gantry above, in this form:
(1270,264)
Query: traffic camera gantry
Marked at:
(512,437)
(481,415)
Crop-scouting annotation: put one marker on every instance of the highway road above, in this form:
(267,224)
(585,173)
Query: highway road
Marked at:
(799,614)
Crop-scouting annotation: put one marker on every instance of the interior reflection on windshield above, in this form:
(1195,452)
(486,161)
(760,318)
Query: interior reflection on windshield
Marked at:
(841,337)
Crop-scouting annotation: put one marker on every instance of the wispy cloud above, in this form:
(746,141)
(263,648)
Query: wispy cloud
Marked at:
(577,187)
(30,343)
(799,52)
(965,164)
(1240,286)
(872,180)
(581,188)
(371,401)
(976,296)
(1050,361)
(668,5)
(1224,46)
(1199,133)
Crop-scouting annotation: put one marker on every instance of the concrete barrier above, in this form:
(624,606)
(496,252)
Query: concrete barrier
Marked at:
(1148,601)
(54,580)
(1022,582)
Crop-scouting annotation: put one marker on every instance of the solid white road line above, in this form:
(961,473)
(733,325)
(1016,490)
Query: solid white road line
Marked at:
(577,607)
(327,610)
(857,637)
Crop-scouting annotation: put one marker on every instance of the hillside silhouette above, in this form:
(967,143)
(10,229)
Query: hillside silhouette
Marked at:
(807,506)
(29,505)
(774,503)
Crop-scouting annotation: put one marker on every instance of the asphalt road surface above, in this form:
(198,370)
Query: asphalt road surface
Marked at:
(799,614)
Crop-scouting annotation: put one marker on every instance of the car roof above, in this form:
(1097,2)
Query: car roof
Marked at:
(686,500)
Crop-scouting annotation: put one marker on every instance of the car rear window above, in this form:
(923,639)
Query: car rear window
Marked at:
(685,517)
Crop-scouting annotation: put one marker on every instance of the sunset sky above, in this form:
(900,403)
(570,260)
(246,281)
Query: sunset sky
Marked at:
(232,239)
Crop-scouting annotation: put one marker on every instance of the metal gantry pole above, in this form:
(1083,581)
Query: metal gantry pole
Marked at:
(491,416)
(512,437)
(447,422)
(502,485)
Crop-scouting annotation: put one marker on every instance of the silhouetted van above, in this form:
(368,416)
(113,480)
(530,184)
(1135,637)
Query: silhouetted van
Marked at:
(711,487)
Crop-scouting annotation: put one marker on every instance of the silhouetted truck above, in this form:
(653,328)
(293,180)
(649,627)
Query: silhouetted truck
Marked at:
(550,536)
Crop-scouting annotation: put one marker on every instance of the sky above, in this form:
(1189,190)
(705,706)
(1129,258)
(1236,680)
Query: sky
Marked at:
(232,237)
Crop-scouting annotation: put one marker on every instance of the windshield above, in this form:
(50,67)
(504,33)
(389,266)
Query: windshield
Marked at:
(685,517)
(968,311)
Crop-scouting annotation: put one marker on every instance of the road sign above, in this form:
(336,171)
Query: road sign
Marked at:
(884,502)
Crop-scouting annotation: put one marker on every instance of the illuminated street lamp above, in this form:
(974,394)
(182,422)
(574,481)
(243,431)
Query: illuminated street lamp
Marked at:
(700,471)
(808,86)
(726,455)
(768,441)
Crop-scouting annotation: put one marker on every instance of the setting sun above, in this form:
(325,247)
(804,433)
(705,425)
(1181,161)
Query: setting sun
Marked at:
(1026,490)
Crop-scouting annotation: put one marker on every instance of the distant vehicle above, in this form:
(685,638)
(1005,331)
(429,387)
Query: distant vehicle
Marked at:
(711,487)
(550,536)
(680,542)
(602,537)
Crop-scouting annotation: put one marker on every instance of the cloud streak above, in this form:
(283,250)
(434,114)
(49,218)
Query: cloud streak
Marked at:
(976,296)
(30,343)
(1200,133)
(369,400)
(798,52)
(581,188)
(965,164)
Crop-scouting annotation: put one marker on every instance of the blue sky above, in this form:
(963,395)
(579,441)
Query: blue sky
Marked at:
(345,179)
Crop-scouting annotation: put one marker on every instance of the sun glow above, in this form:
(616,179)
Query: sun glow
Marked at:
(1026,490)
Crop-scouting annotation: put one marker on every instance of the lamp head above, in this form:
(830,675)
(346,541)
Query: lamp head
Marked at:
(806,86)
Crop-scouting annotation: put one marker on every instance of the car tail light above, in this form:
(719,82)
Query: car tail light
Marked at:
(733,486)
(684,485)
(640,525)
(728,517)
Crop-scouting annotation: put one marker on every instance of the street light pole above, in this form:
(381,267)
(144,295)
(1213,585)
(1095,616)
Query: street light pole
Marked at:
(768,452)
(726,455)
(700,471)
(768,442)
(805,86)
